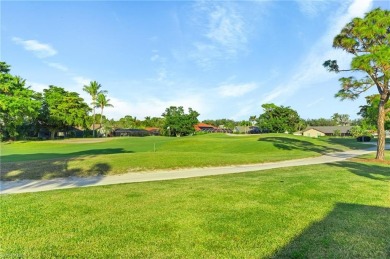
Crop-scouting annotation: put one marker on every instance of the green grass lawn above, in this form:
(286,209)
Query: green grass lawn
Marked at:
(51,159)
(339,210)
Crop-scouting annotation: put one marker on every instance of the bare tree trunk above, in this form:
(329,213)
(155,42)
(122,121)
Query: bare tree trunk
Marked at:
(52,134)
(101,118)
(93,123)
(380,151)
(101,122)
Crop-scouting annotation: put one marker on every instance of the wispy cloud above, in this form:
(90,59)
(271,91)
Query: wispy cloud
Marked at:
(38,87)
(245,109)
(57,66)
(235,90)
(156,57)
(162,74)
(41,50)
(310,71)
(226,27)
(314,102)
(312,8)
(80,80)
(155,106)
(223,29)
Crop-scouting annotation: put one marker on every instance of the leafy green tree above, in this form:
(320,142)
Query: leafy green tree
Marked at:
(102,102)
(226,123)
(320,122)
(18,103)
(368,40)
(62,109)
(178,123)
(301,124)
(156,122)
(147,122)
(252,119)
(245,123)
(341,119)
(128,122)
(369,112)
(109,126)
(279,118)
(358,131)
(93,89)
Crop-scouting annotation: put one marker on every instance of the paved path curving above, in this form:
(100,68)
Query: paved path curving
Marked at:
(23,186)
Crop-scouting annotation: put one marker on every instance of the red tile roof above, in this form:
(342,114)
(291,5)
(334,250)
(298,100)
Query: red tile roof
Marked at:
(199,126)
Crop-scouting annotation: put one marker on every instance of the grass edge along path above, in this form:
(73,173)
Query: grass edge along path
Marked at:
(338,210)
(147,176)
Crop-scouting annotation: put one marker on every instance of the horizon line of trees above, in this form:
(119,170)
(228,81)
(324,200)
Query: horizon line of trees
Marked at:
(24,113)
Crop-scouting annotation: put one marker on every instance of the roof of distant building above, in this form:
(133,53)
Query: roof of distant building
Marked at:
(330,129)
(201,126)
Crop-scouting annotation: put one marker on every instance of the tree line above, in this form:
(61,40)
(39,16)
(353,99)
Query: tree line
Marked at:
(25,112)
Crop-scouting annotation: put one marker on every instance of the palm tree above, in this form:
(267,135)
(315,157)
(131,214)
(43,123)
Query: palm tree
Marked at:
(102,102)
(94,90)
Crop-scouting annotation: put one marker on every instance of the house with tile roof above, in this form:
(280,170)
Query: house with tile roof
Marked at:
(153,131)
(204,127)
(320,131)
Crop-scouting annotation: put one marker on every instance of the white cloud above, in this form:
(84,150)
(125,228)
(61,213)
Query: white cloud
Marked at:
(162,74)
(224,31)
(80,80)
(310,71)
(235,90)
(205,54)
(41,50)
(312,8)
(245,109)
(315,102)
(78,87)
(154,58)
(275,94)
(57,66)
(226,27)
(356,9)
(154,106)
(38,87)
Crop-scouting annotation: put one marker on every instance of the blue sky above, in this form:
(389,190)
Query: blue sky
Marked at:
(222,58)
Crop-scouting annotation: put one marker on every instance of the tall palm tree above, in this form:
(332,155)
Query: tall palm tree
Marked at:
(93,89)
(101,102)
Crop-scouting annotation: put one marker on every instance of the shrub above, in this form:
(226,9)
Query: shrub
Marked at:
(363,139)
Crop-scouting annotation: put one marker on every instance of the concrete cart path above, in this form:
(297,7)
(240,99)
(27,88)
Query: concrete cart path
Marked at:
(23,186)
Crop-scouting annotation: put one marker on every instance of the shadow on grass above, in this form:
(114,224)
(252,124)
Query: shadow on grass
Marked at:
(59,167)
(52,155)
(349,142)
(53,172)
(369,170)
(292,144)
(348,231)
(50,169)
(55,183)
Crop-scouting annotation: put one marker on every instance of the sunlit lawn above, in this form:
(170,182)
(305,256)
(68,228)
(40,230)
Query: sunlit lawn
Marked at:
(50,159)
(338,210)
